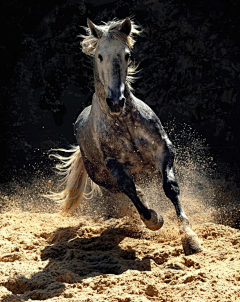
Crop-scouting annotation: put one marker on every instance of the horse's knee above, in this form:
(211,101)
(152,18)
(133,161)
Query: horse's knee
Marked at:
(170,184)
(171,188)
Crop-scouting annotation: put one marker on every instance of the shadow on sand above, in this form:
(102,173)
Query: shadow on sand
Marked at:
(72,258)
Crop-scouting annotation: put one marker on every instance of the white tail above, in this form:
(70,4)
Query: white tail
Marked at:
(75,179)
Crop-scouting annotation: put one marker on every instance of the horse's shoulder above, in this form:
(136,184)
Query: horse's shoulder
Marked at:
(148,121)
(82,119)
(145,113)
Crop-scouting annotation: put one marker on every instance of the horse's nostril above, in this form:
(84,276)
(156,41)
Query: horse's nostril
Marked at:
(109,101)
(115,104)
(121,102)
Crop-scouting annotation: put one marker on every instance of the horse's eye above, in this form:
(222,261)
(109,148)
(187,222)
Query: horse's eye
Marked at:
(127,56)
(100,58)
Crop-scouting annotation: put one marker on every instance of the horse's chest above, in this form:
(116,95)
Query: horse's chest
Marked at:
(127,148)
(119,145)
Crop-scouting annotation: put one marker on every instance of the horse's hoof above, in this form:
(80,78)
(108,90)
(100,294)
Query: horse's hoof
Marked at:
(190,243)
(155,222)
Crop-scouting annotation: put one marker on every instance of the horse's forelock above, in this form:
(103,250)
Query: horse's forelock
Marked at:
(111,31)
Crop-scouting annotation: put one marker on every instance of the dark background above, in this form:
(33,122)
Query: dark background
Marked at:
(189,55)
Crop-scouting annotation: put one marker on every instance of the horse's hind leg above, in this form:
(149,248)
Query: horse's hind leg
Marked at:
(190,240)
(152,220)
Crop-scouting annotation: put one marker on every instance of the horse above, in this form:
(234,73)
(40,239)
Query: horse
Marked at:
(119,136)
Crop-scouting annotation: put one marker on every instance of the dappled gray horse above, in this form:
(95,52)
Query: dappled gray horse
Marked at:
(119,136)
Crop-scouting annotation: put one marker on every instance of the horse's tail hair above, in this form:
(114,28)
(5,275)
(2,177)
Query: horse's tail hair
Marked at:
(74,179)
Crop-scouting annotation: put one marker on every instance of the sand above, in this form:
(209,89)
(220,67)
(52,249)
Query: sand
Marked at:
(45,256)
(92,257)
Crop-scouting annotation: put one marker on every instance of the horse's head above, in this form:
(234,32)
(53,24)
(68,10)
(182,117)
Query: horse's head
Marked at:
(111,60)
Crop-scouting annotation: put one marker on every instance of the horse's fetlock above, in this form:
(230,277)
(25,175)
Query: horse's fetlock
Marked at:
(184,221)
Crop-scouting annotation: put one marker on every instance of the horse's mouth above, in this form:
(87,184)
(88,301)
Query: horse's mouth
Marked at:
(115,107)
(115,111)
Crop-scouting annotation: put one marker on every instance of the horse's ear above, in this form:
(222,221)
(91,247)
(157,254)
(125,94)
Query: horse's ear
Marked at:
(126,26)
(94,29)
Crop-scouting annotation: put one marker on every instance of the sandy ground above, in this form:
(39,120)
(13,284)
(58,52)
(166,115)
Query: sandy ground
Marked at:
(45,256)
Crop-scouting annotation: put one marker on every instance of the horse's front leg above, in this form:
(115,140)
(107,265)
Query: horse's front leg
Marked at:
(152,220)
(190,240)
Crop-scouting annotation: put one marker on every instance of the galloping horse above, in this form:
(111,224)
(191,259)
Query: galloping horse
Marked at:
(119,136)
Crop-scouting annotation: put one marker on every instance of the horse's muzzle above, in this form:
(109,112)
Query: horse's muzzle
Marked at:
(116,106)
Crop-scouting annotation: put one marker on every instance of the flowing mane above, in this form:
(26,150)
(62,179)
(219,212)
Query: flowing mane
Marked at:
(109,30)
